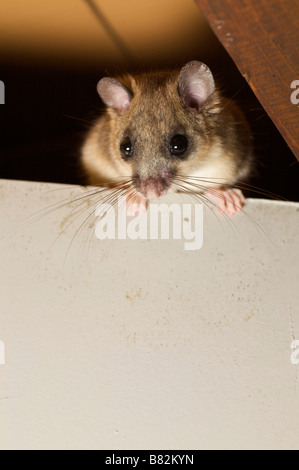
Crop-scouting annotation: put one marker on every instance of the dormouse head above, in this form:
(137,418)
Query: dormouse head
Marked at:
(159,123)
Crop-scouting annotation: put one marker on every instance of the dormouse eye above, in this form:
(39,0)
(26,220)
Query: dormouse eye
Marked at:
(126,148)
(178,145)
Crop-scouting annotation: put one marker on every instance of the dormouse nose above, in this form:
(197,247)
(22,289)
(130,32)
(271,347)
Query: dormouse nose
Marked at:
(154,186)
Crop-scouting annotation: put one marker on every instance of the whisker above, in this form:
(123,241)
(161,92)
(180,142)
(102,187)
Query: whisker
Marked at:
(207,203)
(252,219)
(109,199)
(238,184)
(77,212)
(113,199)
(107,193)
(93,191)
(76,118)
(59,205)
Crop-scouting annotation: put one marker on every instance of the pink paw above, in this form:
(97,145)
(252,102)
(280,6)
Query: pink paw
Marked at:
(228,201)
(136,205)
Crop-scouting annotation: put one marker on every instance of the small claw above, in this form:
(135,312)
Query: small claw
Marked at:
(136,205)
(229,201)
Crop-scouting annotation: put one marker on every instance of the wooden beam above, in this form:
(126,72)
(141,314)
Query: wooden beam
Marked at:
(262,37)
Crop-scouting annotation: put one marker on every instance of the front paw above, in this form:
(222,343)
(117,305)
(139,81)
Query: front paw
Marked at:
(229,201)
(136,205)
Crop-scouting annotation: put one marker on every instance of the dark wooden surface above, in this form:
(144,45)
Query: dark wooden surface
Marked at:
(262,37)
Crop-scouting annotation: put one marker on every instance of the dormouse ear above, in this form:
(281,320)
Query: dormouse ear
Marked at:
(196,84)
(114,94)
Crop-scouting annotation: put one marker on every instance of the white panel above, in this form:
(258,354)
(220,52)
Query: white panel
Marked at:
(144,345)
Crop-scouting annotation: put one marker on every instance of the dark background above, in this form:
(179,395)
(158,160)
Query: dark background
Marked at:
(50,106)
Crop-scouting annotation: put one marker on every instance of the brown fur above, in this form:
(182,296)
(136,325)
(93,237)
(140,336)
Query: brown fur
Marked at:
(219,138)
